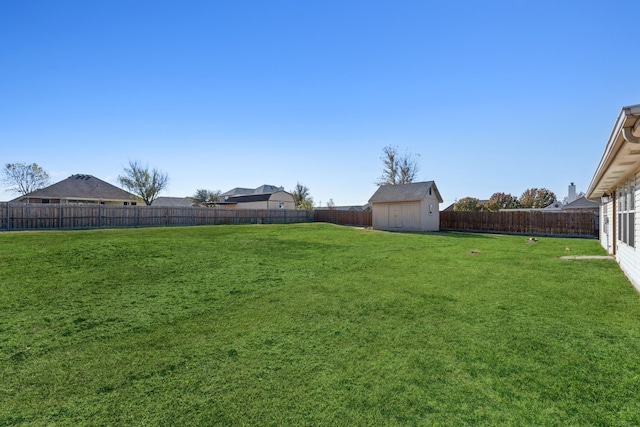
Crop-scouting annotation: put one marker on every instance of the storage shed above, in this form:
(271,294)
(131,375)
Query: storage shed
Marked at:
(407,207)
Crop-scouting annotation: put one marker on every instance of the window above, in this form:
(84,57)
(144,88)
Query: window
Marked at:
(627,213)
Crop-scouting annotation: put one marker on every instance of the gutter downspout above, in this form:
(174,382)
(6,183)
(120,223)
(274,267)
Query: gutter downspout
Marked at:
(628,134)
(631,133)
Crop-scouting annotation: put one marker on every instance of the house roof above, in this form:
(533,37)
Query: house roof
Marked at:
(249,198)
(621,155)
(358,208)
(265,188)
(555,206)
(405,192)
(173,202)
(261,197)
(581,203)
(82,186)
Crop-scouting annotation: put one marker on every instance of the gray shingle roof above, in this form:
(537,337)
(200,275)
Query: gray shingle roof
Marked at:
(173,201)
(249,198)
(405,192)
(581,203)
(83,187)
(239,191)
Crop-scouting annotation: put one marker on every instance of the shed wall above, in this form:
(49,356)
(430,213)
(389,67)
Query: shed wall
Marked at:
(407,216)
(430,214)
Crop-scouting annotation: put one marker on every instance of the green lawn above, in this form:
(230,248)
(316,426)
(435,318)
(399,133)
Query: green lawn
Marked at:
(312,324)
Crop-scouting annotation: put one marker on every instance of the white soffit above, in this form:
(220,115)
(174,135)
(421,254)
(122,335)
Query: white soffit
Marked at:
(621,158)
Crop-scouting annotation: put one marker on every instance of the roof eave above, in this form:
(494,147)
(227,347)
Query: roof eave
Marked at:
(599,185)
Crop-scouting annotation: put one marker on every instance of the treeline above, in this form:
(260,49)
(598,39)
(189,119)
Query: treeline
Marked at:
(531,198)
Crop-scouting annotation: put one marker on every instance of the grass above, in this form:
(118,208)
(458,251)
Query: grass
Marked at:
(312,324)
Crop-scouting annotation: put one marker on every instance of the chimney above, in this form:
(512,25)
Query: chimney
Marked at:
(572,193)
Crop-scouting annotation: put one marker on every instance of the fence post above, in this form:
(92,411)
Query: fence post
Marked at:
(8,216)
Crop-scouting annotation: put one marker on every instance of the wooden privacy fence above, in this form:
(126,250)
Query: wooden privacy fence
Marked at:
(551,223)
(22,216)
(335,216)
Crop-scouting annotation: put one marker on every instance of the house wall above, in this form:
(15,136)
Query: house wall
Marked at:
(606,226)
(407,216)
(619,228)
(269,204)
(279,200)
(626,229)
(79,201)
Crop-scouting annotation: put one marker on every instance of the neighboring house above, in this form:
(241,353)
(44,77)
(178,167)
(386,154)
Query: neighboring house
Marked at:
(78,189)
(406,207)
(174,202)
(582,204)
(614,184)
(263,197)
(241,191)
(355,208)
(555,206)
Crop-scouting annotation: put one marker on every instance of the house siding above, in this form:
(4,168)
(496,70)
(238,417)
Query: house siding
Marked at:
(278,200)
(606,226)
(626,246)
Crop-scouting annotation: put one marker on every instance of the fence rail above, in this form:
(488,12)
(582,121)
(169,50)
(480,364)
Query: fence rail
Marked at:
(22,216)
(335,216)
(552,223)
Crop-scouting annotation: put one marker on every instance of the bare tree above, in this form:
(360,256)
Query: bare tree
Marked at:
(24,178)
(398,168)
(302,198)
(143,182)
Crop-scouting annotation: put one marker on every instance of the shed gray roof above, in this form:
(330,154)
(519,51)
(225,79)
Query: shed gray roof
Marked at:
(405,192)
(82,186)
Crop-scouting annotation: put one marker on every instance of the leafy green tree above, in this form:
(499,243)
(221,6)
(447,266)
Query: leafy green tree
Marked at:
(537,198)
(467,204)
(24,178)
(502,201)
(302,197)
(398,168)
(206,196)
(141,181)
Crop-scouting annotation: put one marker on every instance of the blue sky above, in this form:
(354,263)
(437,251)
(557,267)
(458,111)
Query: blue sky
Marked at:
(495,96)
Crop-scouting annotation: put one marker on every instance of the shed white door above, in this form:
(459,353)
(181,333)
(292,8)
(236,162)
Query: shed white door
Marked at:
(395,215)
